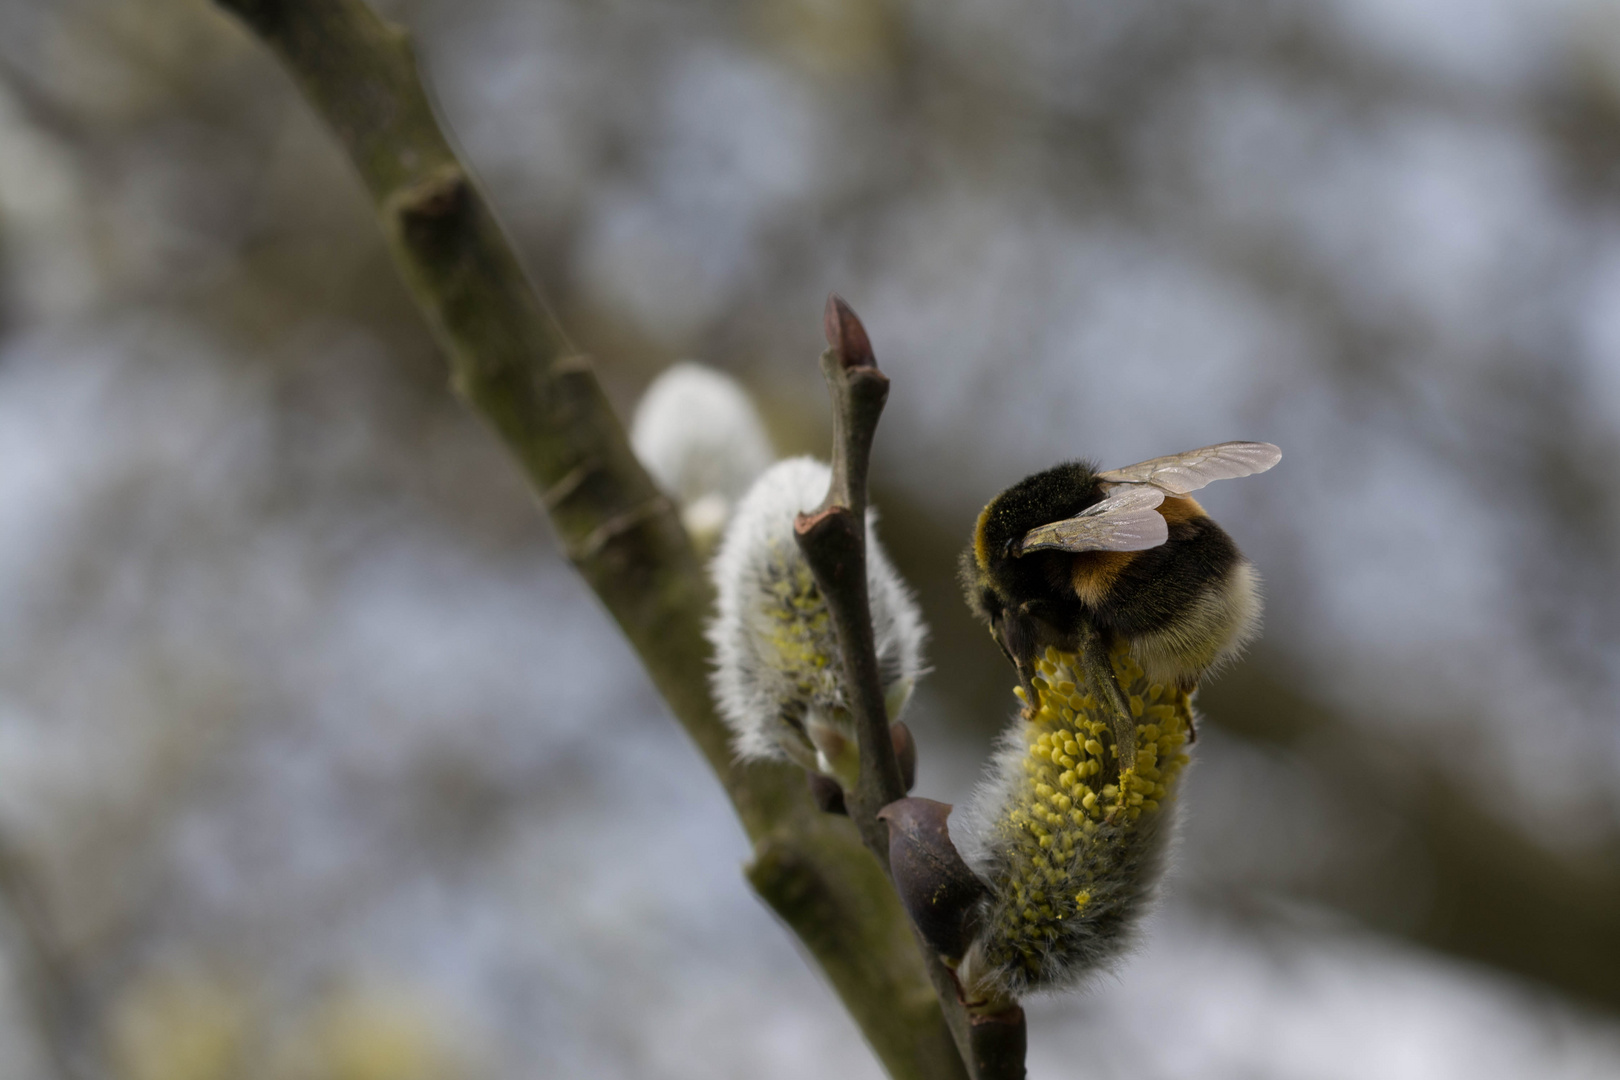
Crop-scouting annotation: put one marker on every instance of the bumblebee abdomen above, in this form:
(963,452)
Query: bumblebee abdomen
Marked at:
(1211,630)
(1185,606)
(1093,574)
(1148,590)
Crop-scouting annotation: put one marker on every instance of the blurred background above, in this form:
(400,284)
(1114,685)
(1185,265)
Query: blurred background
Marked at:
(317,763)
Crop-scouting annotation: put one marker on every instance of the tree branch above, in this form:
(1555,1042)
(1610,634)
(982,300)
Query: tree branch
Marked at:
(46,976)
(515,368)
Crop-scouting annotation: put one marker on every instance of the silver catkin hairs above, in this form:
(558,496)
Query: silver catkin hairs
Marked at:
(697,433)
(779,676)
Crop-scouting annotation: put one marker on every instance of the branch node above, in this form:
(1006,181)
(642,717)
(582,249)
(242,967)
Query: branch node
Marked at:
(617,526)
(999,1042)
(264,16)
(559,493)
(571,364)
(436,196)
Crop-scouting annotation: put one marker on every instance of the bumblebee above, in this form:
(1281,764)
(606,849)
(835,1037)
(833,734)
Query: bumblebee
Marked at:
(1083,560)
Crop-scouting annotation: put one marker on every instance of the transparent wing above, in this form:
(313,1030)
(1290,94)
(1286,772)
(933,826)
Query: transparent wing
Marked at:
(1126,520)
(1179,474)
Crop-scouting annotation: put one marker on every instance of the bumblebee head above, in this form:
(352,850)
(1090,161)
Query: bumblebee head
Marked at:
(978,588)
(1057,493)
(995,582)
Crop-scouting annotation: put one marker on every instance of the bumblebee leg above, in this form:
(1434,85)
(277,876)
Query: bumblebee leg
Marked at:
(995,635)
(1187,686)
(1099,672)
(1018,641)
(1025,674)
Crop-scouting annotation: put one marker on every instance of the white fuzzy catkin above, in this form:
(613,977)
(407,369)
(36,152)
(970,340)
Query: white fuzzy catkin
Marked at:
(779,677)
(1071,846)
(698,435)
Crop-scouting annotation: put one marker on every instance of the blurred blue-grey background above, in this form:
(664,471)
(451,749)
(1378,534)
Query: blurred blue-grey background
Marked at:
(317,763)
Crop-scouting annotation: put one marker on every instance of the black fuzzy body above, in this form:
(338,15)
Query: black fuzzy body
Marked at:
(1030,601)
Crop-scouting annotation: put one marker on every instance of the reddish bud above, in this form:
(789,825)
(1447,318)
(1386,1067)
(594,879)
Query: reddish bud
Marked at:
(846,335)
(939,891)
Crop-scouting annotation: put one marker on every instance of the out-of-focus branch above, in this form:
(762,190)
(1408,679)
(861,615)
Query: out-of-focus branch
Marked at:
(833,540)
(1483,871)
(509,360)
(45,973)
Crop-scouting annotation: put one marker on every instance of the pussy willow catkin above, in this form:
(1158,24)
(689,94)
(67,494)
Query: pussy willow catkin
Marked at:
(700,438)
(1071,848)
(779,675)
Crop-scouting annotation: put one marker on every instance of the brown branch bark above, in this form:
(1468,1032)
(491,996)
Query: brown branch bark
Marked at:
(515,368)
(45,971)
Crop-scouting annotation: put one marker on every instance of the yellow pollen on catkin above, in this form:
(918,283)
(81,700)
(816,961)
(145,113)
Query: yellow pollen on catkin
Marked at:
(1066,837)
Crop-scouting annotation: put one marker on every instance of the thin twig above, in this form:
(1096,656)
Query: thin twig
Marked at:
(517,371)
(833,540)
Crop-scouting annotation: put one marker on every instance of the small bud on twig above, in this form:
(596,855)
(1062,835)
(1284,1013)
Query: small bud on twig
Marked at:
(938,890)
(846,336)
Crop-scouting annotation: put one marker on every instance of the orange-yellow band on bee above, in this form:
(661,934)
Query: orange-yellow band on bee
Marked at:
(1095,571)
(981,554)
(1180,508)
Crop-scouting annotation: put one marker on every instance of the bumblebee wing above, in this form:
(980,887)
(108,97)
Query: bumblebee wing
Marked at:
(1180,474)
(1126,520)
